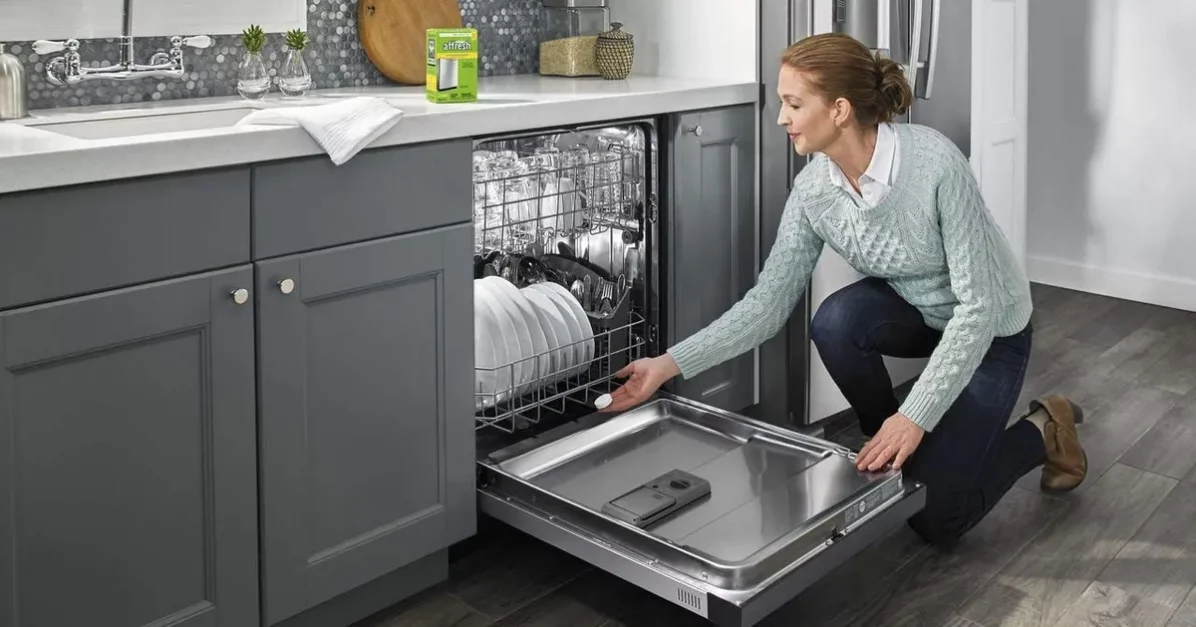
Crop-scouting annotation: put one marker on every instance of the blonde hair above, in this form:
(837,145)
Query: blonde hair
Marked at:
(839,66)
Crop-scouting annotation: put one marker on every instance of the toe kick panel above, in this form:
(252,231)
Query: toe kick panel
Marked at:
(723,515)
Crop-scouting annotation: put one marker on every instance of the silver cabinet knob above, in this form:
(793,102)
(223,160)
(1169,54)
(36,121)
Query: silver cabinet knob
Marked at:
(240,296)
(695,130)
(286,286)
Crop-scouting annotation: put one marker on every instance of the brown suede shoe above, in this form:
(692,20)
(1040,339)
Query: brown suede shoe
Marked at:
(1066,463)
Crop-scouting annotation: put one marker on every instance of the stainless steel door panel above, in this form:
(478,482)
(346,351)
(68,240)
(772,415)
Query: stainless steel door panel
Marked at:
(779,501)
(944,89)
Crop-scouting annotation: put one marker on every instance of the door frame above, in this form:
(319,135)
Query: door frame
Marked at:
(999,112)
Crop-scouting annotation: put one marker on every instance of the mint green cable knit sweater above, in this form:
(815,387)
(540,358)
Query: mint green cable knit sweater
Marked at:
(931,238)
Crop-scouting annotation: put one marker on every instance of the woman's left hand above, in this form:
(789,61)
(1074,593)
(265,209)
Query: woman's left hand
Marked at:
(897,439)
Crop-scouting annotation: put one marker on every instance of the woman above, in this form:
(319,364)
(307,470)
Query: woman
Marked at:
(899,202)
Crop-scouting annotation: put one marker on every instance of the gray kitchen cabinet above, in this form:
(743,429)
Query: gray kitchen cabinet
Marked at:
(300,205)
(70,241)
(128,442)
(366,412)
(711,239)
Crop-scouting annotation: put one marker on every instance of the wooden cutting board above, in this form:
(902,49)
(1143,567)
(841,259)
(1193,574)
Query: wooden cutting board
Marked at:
(394,34)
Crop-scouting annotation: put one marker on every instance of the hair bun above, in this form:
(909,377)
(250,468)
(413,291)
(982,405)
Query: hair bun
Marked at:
(896,95)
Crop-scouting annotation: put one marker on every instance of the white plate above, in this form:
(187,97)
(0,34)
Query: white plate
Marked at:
(541,366)
(512,370)
(490,349)
(555,328)
(585,333)
(485,327)
(582,319)
(575,347)
(523,356)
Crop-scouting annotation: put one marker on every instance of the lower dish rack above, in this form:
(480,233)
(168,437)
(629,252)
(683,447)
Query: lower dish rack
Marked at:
(563,390)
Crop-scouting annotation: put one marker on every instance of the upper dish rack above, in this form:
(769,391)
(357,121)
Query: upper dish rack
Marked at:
(557,192)
(558,252)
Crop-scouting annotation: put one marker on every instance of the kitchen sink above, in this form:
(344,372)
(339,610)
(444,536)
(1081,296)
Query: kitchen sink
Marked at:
(147,124)
(149,121)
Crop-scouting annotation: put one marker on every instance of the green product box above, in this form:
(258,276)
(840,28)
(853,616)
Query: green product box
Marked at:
(452,65)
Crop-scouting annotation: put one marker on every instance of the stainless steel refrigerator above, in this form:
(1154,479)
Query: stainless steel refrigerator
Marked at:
(933,40)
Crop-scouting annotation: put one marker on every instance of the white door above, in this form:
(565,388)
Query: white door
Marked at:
(1000,80)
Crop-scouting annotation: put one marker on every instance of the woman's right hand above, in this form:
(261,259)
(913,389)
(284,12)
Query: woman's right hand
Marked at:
(644,377)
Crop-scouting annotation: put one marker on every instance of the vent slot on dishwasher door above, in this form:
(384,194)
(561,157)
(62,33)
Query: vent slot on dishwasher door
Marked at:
(564,214)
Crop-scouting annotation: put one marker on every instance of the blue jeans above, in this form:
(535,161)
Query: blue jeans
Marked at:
(970,460)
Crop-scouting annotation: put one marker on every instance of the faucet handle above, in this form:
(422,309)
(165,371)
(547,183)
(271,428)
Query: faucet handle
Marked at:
(44,47)
(198,41)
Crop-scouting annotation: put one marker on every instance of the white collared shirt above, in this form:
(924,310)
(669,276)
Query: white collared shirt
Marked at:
(877,180)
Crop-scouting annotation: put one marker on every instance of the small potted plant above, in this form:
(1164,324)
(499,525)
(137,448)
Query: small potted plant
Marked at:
(253,81)
(295,80)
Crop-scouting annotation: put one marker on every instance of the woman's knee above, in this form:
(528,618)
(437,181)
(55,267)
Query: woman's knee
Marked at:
(841,317)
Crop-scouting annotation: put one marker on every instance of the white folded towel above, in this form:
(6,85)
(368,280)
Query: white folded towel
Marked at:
(342,128)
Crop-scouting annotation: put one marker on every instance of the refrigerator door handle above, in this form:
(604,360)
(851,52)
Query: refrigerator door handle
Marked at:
(915,41)
(932,55)
(802,26)
(884,30)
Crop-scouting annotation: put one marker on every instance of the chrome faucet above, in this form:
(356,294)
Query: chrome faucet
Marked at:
(67,69)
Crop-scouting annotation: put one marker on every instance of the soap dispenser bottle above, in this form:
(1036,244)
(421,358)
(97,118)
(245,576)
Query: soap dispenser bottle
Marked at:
(13,100)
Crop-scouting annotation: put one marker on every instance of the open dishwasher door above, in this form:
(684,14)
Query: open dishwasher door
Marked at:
(774,510)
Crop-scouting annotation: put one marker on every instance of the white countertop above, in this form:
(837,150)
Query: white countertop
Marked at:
(32,159)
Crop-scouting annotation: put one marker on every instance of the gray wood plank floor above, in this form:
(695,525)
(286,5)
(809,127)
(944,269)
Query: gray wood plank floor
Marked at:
(1121,550)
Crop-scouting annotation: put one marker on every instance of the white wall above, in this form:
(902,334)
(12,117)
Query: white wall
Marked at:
(691,38)
(89,19)
(22,20)
(1111,191)
(217,17)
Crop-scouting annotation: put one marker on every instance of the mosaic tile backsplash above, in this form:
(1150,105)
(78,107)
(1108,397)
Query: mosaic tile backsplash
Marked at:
(507,30)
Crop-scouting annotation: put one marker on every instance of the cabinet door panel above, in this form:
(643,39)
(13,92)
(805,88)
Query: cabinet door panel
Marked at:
(367,434)
(129,437)
(712,239)
(300,204)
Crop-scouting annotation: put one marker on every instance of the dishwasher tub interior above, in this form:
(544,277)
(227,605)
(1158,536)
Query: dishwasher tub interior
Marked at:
(775,510)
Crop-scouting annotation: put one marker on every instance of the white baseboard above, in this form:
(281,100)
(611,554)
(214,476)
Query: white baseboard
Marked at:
(1154,289)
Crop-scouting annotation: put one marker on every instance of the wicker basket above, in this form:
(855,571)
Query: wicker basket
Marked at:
(615,53)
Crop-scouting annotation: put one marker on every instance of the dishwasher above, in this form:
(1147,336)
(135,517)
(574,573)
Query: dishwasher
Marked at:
(725,516)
